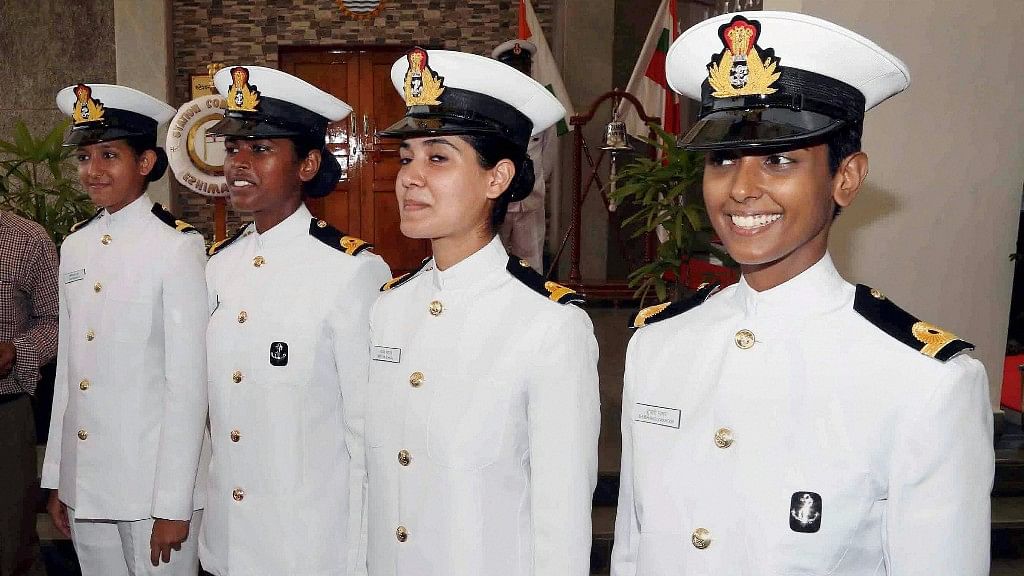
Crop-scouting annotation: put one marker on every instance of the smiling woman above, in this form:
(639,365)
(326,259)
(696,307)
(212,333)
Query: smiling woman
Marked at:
(286,343)
(484,375)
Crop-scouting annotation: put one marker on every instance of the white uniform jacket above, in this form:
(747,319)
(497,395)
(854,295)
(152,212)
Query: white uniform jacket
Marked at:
(287,345)
(482,425)
(129,401)
(783,433)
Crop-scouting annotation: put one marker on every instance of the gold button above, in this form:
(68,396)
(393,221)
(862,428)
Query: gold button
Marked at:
(877,294)
(401,533)
(90,335)
(97,287)
(524,263)
(242,317)
(236,435)
(404,458)
(745,339)
(416,378)
(259,261)
(723,438)
(701,538)
(82,435)
(84,384)
(106,239)
(238,494)
(236,376)
(321,224)
(436,308)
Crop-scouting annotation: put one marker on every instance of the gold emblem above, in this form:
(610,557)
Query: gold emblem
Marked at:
(933,338)
(744,339)
(641,319)
(742,68)
(423,86)
(86,109)
(557,291)
(242,96)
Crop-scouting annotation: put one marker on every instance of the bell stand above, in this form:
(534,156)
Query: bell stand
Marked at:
(580,190)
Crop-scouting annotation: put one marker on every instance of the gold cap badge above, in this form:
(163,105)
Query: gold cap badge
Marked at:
(242,96)
(423,86)
(742,68)
(86,109)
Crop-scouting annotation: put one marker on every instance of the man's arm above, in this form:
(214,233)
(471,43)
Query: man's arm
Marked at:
(38,345)
(938,514)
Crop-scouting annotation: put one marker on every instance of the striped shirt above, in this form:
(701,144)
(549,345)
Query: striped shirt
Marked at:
(28,300)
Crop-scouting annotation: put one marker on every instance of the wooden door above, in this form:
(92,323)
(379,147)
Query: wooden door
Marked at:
(363,203)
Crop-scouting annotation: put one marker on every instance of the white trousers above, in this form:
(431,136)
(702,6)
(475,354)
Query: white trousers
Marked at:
(120,548)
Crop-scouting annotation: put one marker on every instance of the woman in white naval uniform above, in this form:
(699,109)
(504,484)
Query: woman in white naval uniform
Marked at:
(129,407)
(795,424)
(288,337)
(483,408)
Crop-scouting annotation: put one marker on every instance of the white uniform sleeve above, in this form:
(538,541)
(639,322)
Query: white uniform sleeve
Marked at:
(564,419)
(51,461)
(185,314)
(627,525)
(351,328)
(938,513)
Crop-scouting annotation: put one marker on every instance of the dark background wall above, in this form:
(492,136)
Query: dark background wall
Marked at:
(69,42)
(251,32)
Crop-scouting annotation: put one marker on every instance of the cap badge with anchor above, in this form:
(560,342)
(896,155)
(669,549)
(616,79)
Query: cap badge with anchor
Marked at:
(742,68)
(86,108)
(242,96)
(423,86)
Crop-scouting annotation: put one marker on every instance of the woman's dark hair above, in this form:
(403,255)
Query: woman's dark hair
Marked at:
(330,171)
(492,149)
(140,144)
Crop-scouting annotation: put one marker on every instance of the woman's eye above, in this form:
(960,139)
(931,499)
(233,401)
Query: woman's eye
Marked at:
(110,155)
(82,157)
(721,161)
(778,160)
(438,158)
(404,161)
(260,148)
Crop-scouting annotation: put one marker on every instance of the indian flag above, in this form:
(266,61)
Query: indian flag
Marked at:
(648,81)
(545,70)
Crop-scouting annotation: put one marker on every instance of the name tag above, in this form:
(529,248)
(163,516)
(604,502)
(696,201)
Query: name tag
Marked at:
(74,276)
(385,354)
(659,415)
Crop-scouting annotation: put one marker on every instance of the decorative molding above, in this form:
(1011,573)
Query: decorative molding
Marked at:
(361,9)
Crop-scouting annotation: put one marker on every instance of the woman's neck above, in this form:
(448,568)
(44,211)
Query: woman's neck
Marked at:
(450,250)
(267,219)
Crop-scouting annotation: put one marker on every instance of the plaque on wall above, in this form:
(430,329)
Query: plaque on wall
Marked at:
(360,9)
(196,157)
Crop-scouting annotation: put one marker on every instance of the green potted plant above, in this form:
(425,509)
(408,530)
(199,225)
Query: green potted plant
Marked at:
(667,197)
(38,182)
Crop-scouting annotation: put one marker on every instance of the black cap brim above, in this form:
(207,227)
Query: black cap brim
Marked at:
(255,127)
(83,136)
(438,125)
(758,128)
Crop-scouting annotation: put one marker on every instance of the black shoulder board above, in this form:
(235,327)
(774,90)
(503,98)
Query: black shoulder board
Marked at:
(222,244)
(399,280)
(926,338)
(551,290)
(666,310)
(79,225)
(169,219)
(335,238)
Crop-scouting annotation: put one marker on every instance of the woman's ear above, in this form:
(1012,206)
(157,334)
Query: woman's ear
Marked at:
(501,178)
(852,172)
(310,165)
(146,162)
